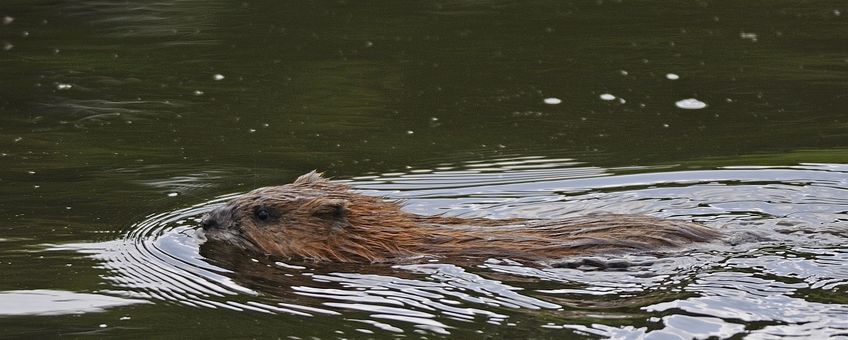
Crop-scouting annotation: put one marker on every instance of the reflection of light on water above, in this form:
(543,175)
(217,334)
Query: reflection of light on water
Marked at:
(676,327)
(785,228)
(446,289)
(745,297)
(57,302)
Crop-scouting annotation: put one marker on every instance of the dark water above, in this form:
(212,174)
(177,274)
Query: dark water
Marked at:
(122,122)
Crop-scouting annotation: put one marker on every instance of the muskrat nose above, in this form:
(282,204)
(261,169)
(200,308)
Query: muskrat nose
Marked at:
(208,222)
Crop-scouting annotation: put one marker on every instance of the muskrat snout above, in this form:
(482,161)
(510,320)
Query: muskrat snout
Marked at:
(208,222)
(216,219)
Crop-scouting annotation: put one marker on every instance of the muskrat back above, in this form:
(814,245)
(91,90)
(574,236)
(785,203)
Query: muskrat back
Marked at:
(316,219)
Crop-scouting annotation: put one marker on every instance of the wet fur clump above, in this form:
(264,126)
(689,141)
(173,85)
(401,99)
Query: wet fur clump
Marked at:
(316,219)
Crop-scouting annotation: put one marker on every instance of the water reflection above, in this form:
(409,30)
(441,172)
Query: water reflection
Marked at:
(57,302)
(749,298)
(777,266)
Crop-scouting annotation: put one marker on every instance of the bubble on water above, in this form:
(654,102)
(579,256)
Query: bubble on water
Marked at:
(552,101)
(25,34)
(690,104)
(103,325)
(198,92)
(63,86)
(369,44)
(748,36)
(409,132)
(7,20)
(621,100)
(672,76)
(173,194)
(624,72)
(218,76)
(607,97)
(124,318)
(7,46)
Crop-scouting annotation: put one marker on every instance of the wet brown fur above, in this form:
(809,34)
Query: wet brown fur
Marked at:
(316,219)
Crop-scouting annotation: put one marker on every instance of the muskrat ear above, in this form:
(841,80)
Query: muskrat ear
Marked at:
(311,177)
(329,207)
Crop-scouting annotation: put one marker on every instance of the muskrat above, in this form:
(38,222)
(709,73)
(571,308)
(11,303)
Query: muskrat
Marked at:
(316,219)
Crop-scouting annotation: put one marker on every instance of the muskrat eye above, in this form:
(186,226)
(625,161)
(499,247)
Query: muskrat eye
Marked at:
(262,214)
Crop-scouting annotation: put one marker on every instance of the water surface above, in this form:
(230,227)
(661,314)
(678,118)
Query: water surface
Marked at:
(122,123)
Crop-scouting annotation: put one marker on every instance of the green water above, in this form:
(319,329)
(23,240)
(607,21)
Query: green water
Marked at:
(111,112)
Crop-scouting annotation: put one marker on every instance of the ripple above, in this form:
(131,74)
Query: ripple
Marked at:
(148,20)
(777,272)
(742,296)
(158,259)
(84,113)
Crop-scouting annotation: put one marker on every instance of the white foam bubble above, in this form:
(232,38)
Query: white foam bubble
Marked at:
(607,96)
(748,36)
(690,104)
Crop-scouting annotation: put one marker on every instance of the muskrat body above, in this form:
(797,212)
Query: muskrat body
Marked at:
(316,219)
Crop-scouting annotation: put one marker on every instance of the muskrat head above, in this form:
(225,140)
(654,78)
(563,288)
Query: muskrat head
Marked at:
(297,220)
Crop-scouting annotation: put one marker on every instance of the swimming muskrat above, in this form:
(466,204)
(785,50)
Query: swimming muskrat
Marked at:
(319,220)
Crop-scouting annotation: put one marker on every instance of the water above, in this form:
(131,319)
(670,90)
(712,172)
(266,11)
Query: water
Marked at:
(121,124)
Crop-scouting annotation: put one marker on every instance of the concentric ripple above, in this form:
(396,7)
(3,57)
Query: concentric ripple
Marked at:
(777,272)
